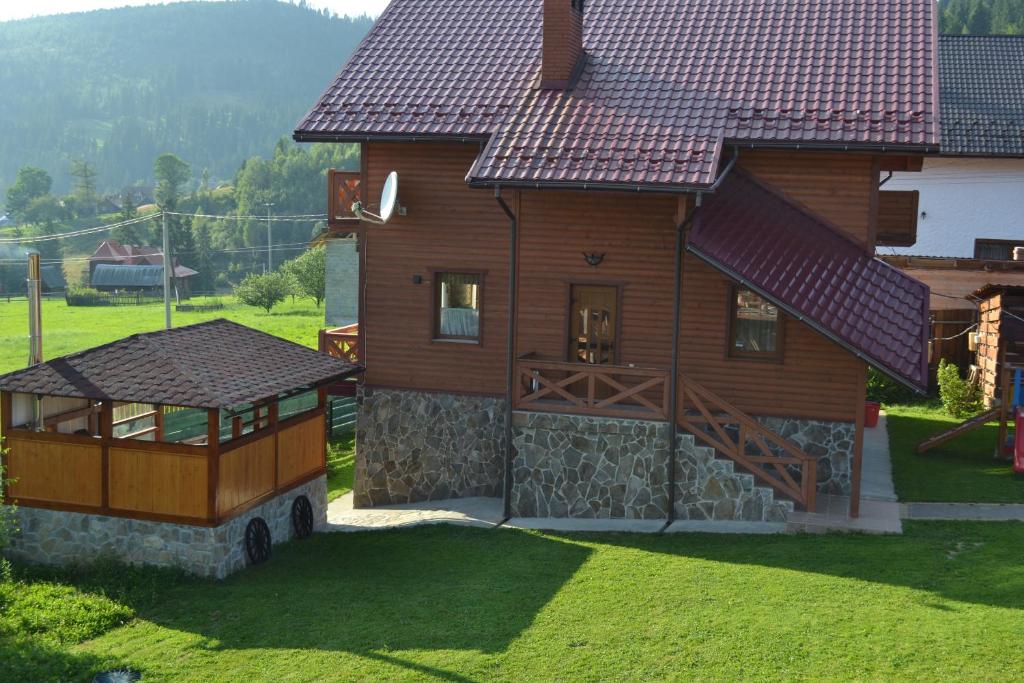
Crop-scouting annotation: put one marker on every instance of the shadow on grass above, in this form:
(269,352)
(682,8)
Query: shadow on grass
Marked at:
(29,659)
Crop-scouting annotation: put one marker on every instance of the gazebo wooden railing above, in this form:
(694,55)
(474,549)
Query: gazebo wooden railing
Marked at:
(197,484)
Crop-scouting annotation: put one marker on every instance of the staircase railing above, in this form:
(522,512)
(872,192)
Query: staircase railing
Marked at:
(736,435)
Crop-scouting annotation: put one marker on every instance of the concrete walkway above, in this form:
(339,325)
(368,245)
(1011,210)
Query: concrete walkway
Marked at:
(481,512)
(975,512)
(876,471)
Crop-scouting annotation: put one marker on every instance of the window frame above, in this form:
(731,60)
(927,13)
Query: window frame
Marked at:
(435,306)
(776,356)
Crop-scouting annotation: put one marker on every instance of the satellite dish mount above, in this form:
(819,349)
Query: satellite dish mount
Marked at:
(388,203)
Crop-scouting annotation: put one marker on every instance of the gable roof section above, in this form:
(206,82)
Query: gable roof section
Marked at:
(982,86)
(664,85)
(216,364)
(816,275)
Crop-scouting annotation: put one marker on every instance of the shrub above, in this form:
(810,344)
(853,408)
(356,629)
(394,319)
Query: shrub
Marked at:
(884,389)
(959,397)
(264,291)
(8,522)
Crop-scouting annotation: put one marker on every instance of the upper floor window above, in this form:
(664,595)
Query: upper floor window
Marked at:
(755,328)
(457,299)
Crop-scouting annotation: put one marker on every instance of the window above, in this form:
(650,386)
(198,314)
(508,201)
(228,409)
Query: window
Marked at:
(457,306)
(755,327)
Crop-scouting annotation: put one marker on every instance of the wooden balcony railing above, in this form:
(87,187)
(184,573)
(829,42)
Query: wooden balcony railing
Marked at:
(599,390)
(734,434)
(344,188)
(342,342)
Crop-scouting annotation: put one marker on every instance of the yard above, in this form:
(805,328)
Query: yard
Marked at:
(68,329)
(961,470)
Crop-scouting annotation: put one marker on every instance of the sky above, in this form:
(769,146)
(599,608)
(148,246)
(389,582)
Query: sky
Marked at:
(20,9)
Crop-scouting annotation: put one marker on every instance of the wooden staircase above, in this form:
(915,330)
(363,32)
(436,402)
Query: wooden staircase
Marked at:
(962,428)
(771,459)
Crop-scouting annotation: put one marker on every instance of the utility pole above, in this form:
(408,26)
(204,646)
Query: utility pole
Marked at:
(167,273)
(270,244)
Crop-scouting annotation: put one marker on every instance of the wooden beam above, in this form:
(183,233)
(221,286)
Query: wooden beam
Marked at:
(6,413)
(858,442)
(87,411)
(158,420)
(212,460)
(106,437)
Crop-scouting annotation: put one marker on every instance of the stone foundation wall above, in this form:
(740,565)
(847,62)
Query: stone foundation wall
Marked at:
(416,446)
(830,442)
(56,537)
(586,467)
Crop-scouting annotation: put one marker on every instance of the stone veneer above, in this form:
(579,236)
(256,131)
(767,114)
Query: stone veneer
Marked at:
(57,537)
(830,442)
(417,446)
(587,467)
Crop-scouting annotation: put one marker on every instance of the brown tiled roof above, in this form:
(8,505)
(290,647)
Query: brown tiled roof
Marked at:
(664,86)
(817,275)
(216,364)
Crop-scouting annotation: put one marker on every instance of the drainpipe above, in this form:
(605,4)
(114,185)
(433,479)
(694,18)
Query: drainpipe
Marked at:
(677,299)
(35,330)
(510,361)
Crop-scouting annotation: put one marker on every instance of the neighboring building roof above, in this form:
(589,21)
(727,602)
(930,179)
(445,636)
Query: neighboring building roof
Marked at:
(999,287)
(982,95)
(216,364)
(110,275)
(664,86)
(112,250)
(816,274)
(953,281)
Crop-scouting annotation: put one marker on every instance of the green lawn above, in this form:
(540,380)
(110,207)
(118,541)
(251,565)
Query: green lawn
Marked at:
(961,470)
(944,601)
(341,462)
(68,329)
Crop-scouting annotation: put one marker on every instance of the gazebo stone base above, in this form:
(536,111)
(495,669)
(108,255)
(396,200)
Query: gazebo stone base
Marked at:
(58,537)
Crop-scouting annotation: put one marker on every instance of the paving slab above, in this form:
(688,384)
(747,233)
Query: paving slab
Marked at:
(832,515)
(479,512)
(876,470)
(977,512)
(694,526)
(634,526)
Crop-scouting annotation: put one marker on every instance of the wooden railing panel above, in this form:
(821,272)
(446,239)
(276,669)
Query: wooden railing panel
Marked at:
(598,390)
(301,450)
(344,188)
(148,481)
(245,474)
(56,471)
(717,423)
(342,342)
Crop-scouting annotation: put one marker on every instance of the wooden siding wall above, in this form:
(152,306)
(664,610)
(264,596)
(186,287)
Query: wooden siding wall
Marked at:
(452,226)
(56,471)
(158,483)
(245,473)
(301,450)
(448,226)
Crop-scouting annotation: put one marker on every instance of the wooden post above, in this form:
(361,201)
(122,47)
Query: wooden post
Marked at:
(858,442)
(106,437)
(158,421)
(6,422)
(212,460)
(272,415)
(1005,398)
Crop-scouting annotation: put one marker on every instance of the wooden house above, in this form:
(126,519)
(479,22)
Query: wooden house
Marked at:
(195,447)
(632,275)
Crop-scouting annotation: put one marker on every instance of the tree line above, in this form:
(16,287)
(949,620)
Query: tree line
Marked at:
(982,17)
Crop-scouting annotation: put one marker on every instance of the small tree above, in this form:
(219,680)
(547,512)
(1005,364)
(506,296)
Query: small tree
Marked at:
(309,273)
(959,397)
(264,291)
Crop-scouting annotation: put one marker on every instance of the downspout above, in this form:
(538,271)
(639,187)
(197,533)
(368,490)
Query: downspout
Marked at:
(510,361)
(677,300)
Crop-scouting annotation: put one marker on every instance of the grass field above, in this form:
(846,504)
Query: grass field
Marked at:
(943,602)
(961,470)
(68,329)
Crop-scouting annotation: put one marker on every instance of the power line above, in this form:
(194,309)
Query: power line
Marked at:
(293,246)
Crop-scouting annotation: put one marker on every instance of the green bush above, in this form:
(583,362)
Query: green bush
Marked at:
(960,398)
(81,290)
(884,389)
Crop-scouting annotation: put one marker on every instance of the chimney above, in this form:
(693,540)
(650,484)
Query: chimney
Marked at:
(563,43)
(1018,253)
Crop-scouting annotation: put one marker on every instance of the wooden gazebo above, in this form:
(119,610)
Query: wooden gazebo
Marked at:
(194,425)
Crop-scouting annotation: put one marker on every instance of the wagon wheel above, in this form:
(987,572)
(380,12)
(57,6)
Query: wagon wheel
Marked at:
(302,517)
(257,540)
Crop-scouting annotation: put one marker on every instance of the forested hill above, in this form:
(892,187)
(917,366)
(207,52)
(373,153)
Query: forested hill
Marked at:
(213,82)
(980,17)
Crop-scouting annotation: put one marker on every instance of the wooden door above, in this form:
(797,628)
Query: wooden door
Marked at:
(594,324)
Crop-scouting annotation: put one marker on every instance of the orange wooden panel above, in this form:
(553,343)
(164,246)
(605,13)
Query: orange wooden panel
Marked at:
(897,218)
(161,483)
(301,450)
(55,472)
(245,473)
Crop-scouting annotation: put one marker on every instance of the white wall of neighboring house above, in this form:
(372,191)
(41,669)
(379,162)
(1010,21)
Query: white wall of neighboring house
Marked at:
(963,199)
(342,286)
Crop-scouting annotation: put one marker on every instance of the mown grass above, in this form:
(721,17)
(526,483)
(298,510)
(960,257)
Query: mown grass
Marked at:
(69,329)
(944,601)
(961,470)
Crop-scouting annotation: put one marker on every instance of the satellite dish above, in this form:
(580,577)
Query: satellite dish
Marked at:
(388,203)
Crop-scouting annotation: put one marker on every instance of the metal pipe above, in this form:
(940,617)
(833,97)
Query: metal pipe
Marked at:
(35,330)
(510,349)
(167,272)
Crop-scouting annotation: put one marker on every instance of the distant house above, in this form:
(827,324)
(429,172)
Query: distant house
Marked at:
(971,203)
(5,220)
(124,267)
